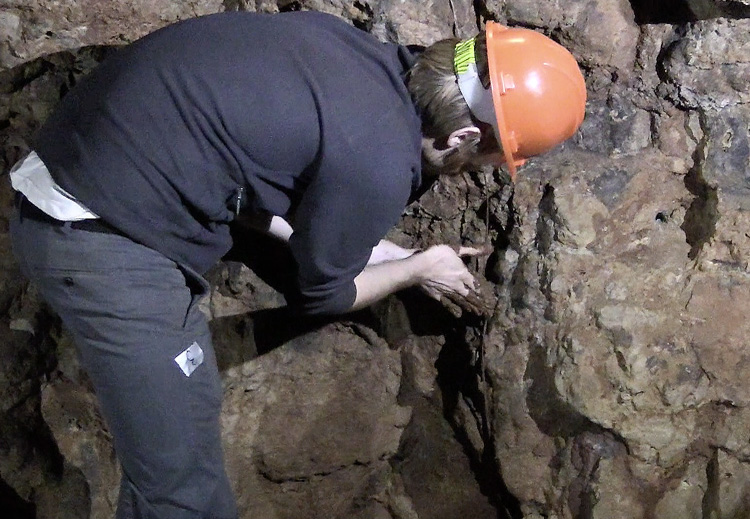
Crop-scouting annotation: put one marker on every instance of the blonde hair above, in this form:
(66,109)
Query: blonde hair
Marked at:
(434,89)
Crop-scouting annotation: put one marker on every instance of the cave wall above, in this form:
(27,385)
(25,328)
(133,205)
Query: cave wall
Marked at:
(610,379)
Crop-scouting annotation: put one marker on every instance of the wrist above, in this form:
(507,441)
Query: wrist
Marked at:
(388,251)
(416,266)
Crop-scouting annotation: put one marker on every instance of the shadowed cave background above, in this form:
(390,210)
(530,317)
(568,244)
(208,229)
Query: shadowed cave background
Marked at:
(612,378)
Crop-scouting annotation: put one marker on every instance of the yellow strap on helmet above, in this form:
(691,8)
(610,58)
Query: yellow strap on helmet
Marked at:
(463,56)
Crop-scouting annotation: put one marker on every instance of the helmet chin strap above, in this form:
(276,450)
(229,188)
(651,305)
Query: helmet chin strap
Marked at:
(478,98)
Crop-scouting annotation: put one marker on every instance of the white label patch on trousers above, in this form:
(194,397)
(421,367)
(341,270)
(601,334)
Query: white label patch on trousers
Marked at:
(190,359)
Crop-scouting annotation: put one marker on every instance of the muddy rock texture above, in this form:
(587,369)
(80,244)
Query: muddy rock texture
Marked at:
(604,373)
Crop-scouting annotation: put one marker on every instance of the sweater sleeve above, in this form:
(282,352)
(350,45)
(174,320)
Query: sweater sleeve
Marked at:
(341,217)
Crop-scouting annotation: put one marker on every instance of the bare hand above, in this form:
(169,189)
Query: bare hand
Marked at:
(444,273)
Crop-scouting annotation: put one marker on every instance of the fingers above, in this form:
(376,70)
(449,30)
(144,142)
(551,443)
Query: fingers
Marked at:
(432,292)
(468,280)
(463,286)
(474,251)
(460,250)
(457,303)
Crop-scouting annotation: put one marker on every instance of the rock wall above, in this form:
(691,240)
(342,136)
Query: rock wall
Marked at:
(610,380)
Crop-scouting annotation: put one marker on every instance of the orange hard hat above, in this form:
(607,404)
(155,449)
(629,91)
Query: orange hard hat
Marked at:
(538,92)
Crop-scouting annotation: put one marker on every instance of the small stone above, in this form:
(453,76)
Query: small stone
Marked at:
(10,26)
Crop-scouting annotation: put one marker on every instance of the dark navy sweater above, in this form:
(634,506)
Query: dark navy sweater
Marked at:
(300,111)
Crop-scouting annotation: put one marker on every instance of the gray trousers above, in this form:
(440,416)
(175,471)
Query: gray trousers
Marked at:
(131,312)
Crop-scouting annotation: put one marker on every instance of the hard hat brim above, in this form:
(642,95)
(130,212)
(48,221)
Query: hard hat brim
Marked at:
(492,31)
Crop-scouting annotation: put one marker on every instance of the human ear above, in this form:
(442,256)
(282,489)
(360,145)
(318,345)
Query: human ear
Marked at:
(458,136)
